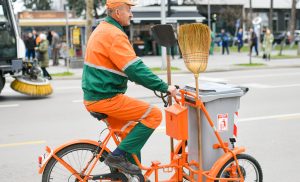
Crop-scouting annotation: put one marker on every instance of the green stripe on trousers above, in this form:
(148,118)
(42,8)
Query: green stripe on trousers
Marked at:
(135,140)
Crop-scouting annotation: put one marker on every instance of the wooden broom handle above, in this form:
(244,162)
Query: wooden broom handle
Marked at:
(170,97)
(199,124)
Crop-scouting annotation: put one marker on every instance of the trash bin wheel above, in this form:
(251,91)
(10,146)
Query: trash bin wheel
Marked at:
(249,166)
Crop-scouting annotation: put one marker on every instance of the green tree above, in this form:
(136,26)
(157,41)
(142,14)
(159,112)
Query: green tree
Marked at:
(80,6)
(38,4)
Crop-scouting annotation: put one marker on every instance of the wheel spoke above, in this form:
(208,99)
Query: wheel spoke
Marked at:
(77,156)
(249,167)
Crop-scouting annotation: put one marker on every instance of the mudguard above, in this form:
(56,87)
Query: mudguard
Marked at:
(52,152)
(221,161)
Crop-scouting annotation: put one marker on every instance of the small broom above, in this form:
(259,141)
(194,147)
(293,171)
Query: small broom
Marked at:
(33,87)
(194,42)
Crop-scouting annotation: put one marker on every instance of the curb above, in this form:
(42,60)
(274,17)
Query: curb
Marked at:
(212,70)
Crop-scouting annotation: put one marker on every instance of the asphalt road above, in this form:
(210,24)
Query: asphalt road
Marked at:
(268,122)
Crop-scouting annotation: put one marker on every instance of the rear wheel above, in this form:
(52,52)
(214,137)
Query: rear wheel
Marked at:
(249,166)
(2,82)
(77,156)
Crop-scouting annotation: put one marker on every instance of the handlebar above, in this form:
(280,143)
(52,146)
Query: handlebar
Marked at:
(164,95)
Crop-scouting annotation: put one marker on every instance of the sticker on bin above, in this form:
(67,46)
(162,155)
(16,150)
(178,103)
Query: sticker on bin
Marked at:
(223,122)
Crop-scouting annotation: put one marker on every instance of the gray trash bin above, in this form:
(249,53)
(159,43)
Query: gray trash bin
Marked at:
(221,101)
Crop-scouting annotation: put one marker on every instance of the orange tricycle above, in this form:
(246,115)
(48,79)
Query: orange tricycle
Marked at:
(82,160)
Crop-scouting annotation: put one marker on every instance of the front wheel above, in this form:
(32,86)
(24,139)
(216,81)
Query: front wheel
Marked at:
(77,156)
(249,166)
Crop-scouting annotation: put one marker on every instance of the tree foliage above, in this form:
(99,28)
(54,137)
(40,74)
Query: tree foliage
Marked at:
(228,16)
(79,6)
(38,4)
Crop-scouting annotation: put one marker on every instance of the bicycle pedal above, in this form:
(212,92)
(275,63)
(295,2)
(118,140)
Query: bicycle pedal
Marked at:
(135,178)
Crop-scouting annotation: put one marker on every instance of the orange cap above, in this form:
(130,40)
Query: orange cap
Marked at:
(115,3)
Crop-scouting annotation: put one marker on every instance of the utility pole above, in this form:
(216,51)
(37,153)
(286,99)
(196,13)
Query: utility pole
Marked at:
(251,17)
(169,8)
(163,21)
(208,14)
(271,16)
(293,23)
(66,7)
(293,19)
(89,18)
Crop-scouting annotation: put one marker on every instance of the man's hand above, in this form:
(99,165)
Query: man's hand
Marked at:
(172,90)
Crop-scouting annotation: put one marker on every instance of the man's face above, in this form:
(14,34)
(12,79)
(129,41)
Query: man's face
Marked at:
(124,14)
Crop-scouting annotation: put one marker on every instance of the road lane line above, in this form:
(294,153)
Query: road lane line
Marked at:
(257,85)
(67,88)
(211,79)
(261,76)
(77,101)
(280,116)
(22,143)
(284,86)
(161,129)
(10,105)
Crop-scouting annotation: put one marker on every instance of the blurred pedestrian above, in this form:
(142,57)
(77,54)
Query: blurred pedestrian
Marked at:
(253,42)
(30,45)
(63,52)
(34,34)
(225,40)
(240,39)
(43,55)
(267,45)
(212,43)
(49,38)
(55,47)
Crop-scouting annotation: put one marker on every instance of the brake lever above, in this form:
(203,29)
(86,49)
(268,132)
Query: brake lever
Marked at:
(162,96)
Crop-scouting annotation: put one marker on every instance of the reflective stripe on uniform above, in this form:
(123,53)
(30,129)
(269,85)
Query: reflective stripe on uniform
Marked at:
(107,69)
(146,113)
(130,63)
(126,125)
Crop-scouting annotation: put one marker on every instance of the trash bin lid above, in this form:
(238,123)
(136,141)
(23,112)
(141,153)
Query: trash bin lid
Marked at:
(209,91)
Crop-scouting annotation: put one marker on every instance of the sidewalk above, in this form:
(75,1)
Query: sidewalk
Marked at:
(216,63)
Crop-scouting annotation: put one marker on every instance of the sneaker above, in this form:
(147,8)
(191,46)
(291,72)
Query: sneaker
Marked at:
(121,163)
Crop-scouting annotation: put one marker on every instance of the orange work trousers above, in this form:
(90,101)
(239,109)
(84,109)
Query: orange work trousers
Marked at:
(122,109)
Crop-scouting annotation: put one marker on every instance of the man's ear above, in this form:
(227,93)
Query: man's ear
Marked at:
(117,12)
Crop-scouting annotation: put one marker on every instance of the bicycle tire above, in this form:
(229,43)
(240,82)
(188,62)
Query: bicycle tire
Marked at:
(246,162)
(75,152)
(2,82)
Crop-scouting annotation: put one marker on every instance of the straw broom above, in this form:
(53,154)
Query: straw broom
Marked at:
(194,42)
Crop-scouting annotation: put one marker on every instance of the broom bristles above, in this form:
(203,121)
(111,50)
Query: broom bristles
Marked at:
(31,89)
(194,42)
(194,38)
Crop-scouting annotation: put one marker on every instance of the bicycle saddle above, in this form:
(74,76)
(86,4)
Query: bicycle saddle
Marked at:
(98,115)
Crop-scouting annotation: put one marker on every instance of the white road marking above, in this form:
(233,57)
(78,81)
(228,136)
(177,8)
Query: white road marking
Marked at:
(76,101)
(22,143)
(262,75)
(10,105)
(279,116)
(67,88)
(257,85)
(284,86)
(213,79)
(162,129)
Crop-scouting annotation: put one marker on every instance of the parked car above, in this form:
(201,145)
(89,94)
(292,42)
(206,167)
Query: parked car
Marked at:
(278,37)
